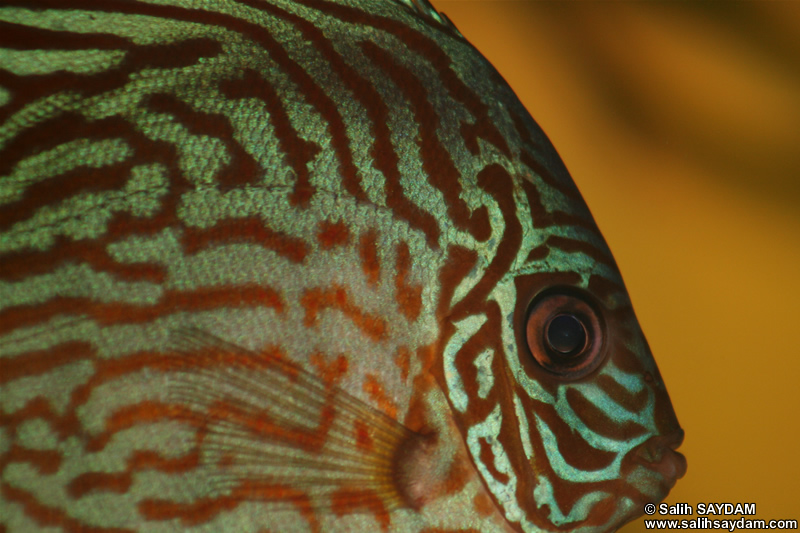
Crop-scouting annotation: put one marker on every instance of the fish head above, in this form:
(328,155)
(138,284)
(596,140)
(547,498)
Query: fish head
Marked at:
(602,431)
(565,414)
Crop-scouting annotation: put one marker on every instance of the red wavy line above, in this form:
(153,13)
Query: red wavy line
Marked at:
(43,361)
(250,230)
(202,511)
(633,403)
(495,180)
(332,234)
(115,313)
(409,297)
(297,151)
(599,422)
(368,252)
(45,515)
(348,500)
(317,299)
(45,461)
(374,389)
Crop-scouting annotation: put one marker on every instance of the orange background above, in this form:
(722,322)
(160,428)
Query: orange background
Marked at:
(680,123)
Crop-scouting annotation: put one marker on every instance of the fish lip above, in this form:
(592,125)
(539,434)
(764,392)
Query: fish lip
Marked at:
(658,453)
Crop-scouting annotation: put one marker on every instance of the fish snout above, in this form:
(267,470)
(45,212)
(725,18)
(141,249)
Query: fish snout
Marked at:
(659,455)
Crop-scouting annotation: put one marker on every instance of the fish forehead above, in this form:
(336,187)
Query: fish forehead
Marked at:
(337,179)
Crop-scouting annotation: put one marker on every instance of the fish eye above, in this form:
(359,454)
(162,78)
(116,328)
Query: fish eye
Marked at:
(565,334)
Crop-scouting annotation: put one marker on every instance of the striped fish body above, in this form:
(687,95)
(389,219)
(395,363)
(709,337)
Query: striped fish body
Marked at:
(301,266)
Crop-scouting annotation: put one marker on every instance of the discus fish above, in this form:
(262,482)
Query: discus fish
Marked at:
(302,265)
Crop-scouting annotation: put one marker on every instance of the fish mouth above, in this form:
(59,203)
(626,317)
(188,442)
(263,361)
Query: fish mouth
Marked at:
(659,455)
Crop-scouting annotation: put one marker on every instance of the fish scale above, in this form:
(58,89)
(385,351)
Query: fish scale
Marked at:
(302,266)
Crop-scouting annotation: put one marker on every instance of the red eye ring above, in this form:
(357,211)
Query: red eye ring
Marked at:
(564,334)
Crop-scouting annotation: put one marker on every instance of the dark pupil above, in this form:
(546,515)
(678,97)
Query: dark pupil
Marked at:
(565,334)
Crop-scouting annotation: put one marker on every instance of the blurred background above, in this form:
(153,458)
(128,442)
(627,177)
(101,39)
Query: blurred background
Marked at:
(680,123)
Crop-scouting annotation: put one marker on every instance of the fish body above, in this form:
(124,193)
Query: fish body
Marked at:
(302,266)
